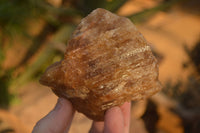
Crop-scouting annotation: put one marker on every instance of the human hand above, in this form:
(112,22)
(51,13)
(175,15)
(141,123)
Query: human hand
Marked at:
(117,120)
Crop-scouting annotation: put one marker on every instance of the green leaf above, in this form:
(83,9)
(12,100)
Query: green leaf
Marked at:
(114,5)
(61,36)
(145,14)
(87,6)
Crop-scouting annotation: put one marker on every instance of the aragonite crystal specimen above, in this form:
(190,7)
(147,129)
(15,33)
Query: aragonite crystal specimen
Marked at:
(107,62)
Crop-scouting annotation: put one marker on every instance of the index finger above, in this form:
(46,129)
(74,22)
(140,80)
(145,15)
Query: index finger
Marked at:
(117,119)
(126,111)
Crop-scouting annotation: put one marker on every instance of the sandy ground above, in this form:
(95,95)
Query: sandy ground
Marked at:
(166,31)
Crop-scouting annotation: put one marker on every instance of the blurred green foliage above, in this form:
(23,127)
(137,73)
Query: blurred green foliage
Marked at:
(86,6)
(5,96)
(15,13)
(59,23)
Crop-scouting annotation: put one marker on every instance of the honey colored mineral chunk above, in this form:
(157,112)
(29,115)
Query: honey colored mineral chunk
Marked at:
(107,62)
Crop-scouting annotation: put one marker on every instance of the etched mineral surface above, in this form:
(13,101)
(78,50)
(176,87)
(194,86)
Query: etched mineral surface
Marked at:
(107,62)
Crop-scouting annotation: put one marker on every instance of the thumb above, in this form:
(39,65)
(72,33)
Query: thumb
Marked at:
(58,120)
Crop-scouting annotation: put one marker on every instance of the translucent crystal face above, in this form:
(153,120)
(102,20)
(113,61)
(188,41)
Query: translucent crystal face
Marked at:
(107,62)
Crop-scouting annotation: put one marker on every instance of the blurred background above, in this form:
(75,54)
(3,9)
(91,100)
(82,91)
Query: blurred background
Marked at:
(34,34)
